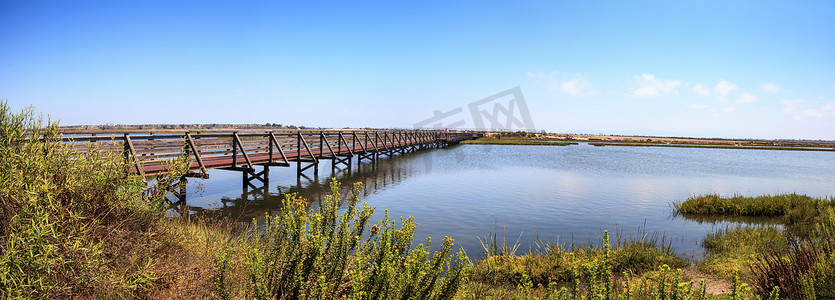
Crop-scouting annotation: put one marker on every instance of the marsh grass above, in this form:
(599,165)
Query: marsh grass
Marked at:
(553,262)
(798,212)
(735,248)
(637,267)
(493,247)
(803,267)
(799,206)
(799,260)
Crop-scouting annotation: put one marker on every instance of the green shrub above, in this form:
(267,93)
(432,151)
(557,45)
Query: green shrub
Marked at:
(71,223)
(324,254)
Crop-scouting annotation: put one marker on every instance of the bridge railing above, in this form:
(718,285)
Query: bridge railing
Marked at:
(149,153)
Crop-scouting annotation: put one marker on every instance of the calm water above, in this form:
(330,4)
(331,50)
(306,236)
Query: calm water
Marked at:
(553,192)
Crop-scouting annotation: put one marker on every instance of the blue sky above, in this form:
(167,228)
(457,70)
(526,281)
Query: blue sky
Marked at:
(739,69)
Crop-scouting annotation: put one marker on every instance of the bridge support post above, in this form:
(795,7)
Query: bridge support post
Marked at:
(314,162)
(345,157)
(262,191)
(178,190)
(250,175)
(313,180)
(369,150)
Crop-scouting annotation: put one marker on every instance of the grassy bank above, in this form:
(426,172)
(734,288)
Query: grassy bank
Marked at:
(501,272)
(631,144)
(492,141)
(732,248)
(799,259)
(75,225)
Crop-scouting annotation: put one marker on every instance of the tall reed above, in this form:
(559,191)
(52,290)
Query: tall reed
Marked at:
(804,268)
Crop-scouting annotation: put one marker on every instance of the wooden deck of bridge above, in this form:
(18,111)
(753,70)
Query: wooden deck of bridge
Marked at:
(149,153)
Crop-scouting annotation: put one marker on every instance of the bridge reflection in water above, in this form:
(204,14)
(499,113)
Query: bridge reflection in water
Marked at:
(256,202)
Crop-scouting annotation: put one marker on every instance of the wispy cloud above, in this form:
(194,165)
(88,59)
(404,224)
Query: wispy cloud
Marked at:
(792,107)
(825,110)
(799,109)
(746,98)
(723,89)
(573,85)
(770,88)
(649,86)
(698,106)
(578,86)
(728,110)
(701,90)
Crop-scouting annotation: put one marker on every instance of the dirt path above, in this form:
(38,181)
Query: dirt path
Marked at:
(715,285)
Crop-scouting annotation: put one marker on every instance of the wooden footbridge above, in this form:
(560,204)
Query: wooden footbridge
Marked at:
(149,153)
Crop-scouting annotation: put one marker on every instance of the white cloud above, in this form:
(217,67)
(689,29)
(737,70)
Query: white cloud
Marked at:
(825,110)
(728,110)
(771,88)
(578,86)
(746,98)
(799,109)
(814,112)
(649,86)
(698,106)
(575,85)
(791,106)
(724,88)
(701,90)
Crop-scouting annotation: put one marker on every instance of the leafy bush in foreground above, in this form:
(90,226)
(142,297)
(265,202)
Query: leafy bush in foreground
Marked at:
(71,223)
(321,254)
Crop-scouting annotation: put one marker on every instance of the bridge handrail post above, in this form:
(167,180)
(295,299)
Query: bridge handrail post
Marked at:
(243,151)
(129,150)
(273,139)
(197,156)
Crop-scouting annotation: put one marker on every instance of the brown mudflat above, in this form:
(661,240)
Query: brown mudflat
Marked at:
(715,285)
